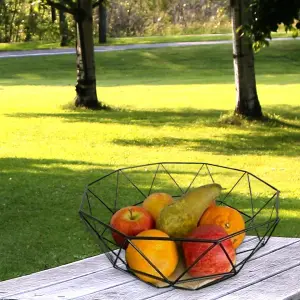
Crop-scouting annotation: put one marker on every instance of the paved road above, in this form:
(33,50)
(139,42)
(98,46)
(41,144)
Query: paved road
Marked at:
(6,54)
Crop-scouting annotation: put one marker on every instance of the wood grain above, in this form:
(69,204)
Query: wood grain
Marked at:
(65,273)
(258,269)
(136,290)
(79,286)
(95,278)
(285,285)
(56,275)
(139,290)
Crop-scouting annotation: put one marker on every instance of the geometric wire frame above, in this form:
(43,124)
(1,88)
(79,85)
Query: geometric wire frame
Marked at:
(255,199)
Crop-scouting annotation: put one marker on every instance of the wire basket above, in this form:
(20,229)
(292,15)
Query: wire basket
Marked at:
(255,199)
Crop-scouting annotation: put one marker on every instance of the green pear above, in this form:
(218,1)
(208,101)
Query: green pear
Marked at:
(182,216)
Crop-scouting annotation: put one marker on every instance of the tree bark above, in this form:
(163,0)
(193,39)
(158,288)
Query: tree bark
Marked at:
(102,13)
(12,21)
(53,14)
(86,75)
(29,25)
(63,28)
(247,102)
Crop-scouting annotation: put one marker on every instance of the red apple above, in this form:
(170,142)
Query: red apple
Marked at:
(130,220)
(215,260)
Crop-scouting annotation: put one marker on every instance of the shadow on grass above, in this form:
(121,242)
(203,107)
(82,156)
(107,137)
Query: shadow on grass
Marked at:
(288,112)
(188,65)
(279,136)
(40,227)
(185,117)
(275,143)
(281,116)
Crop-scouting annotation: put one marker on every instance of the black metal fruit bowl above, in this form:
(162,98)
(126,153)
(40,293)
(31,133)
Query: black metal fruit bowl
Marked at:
(255,199)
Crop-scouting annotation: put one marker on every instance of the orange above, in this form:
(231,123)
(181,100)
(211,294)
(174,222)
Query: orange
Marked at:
(230,219)
(155,202)
(162,254)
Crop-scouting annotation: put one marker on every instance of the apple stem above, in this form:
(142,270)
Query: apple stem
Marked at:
(131,216)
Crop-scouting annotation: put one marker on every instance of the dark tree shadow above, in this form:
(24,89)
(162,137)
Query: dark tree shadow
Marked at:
(280,116)
(40,227)
(288,112)
(184,117)
(278,136)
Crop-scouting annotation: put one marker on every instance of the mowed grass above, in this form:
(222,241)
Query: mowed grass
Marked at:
(166,105)
(118,41)
(39,45)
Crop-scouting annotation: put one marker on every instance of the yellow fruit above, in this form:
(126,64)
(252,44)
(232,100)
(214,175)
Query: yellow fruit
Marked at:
(155,202)
(162,254)
(182,216)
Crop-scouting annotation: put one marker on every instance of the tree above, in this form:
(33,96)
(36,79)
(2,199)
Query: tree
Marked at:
(253,21)
(63,28)
(53,14)
(267,15)
(102,15)
(31,23)
(82,10)
(247,102)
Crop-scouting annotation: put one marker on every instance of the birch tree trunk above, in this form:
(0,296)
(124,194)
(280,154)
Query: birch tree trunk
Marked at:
(86,74)
(247,102)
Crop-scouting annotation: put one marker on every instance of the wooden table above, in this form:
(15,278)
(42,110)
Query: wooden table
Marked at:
(272,273)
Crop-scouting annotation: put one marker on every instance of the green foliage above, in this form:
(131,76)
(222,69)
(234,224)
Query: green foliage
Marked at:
(27,20)
(267,15)
(161,17)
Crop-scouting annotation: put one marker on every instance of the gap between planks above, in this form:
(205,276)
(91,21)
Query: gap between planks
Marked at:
(283,285)
(37,280)
(89,283)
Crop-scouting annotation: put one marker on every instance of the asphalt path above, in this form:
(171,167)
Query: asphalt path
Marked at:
(8,54)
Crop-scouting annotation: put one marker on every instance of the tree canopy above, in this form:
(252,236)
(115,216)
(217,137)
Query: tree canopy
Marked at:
(268,15)
(32,20)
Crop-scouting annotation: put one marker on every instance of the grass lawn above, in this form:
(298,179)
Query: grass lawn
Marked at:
(128,40)
(166,106)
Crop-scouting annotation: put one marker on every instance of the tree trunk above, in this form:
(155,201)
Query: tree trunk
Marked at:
(53,14)
(12,21)
(86,75)
(6,25)
(102,13)
(247,103)
(63,28)
(28,27)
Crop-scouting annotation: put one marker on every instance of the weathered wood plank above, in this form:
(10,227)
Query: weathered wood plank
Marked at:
(285,285)
(109,283)
(61,274)
(114,284)
(258,269)
(129,291)
(55,275)
(79,286)
(139,290)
